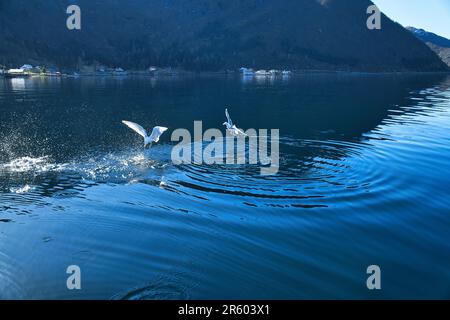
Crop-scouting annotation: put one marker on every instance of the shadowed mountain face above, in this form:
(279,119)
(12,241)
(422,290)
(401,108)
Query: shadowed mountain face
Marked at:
(210,35)
(438,44)
(364,165)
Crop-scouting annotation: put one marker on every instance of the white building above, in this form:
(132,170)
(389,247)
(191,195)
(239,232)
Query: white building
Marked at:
(16,71)
(262,73)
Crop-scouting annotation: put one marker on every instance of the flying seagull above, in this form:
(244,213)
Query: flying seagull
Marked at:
(231,128)
(148,140)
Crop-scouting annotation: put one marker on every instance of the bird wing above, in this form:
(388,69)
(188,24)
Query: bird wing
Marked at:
(156,133)
(135,127)
(230,122)
(240,132)
(236,131)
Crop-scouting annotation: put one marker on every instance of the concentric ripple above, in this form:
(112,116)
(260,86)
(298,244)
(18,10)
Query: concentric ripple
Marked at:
(311,174)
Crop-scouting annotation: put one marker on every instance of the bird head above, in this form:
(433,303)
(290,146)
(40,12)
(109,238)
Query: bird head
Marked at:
(225,124)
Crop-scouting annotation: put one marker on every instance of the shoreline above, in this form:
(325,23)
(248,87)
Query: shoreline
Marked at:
(184,73)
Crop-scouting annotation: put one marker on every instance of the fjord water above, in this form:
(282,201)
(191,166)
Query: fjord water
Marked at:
(363,180)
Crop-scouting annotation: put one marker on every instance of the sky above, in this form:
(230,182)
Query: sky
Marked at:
(431,15)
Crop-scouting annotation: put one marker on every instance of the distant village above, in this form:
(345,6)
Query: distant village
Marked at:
(28,70)
(249,72)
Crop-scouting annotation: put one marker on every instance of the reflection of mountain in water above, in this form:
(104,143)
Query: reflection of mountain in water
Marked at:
(64,119)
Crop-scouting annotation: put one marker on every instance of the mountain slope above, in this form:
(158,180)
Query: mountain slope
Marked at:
(210,35)
(438,44)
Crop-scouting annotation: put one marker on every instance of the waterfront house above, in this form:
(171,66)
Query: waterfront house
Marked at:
(262,73)
(16,73)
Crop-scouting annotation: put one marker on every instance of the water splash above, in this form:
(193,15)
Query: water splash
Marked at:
(31,165)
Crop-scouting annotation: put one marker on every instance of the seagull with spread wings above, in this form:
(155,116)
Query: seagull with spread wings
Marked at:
(231,128)
(148,139)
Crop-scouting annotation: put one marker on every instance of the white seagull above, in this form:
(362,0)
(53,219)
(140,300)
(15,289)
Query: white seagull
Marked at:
(148,139)
(231,128)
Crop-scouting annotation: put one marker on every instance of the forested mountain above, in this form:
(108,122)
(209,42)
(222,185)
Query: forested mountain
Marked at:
(209,35)
(438,44)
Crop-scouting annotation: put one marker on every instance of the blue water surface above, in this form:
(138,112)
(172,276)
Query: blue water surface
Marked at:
(364,179)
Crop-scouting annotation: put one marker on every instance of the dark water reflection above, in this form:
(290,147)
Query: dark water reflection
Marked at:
(363,179)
